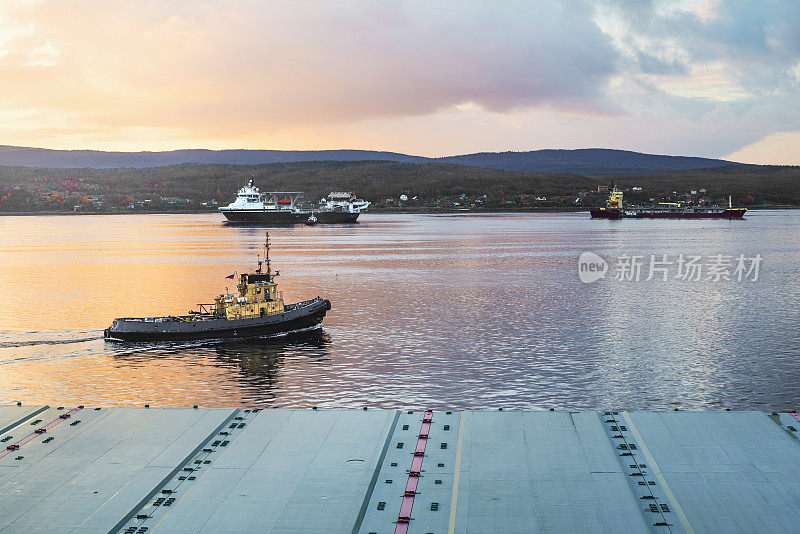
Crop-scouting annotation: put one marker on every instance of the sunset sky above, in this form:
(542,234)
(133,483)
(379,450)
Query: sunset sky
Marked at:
(700,78)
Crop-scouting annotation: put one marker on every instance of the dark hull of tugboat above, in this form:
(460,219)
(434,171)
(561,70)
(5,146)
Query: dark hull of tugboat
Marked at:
(298,316)
(278,217)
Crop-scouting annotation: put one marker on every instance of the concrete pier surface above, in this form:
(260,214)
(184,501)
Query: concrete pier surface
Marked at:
(186,470)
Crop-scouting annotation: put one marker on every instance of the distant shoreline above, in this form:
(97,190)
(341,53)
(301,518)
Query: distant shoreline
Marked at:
(392,187)
(371,212)
(404,211)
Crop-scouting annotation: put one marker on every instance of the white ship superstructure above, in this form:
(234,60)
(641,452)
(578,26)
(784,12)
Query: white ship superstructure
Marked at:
(343,201)
(252,205)
(284,207)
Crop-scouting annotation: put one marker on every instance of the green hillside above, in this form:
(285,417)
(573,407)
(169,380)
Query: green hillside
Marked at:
(192,187)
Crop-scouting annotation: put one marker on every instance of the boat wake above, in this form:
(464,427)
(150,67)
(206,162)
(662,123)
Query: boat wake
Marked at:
(292,332)
(31,343)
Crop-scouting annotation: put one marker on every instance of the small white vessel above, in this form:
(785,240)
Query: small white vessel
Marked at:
(340,207)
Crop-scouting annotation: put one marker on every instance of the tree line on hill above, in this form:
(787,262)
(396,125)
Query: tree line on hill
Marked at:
(435,185)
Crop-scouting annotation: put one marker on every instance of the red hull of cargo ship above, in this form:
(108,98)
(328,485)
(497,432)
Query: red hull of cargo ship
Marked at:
(604,213)
(730,214)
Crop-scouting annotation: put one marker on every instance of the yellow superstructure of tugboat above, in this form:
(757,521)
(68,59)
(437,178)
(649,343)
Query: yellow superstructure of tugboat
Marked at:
(257,296)
(256,308)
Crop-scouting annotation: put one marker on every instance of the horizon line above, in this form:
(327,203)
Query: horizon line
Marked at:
(4,146)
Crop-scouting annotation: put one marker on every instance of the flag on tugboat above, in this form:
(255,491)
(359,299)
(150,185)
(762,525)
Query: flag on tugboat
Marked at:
(231,275)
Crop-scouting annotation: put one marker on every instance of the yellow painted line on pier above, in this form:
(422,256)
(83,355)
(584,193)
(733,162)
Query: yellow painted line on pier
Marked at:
(657,472)
(454,500)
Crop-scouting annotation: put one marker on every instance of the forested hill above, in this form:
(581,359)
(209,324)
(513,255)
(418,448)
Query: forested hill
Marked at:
(95,159)
(589,161)
(425,186)
(583,161)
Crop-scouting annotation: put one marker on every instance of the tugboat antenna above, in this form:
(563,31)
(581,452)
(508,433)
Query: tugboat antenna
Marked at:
(266,255)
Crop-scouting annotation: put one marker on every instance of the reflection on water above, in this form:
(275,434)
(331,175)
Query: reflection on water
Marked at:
(438,311)
(261,358)
(254,365)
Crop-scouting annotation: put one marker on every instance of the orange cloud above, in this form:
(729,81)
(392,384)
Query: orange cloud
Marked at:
(237,70)
(425,78)
(775,149)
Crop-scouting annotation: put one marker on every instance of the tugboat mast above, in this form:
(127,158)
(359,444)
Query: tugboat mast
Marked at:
(266,257)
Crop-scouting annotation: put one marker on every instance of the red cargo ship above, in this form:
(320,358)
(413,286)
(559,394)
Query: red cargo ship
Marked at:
(664,210)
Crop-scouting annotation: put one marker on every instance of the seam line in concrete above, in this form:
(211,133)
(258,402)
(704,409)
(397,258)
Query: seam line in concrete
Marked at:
(657,472)
(776,419)
(375,474)
(39,431)
(200,478)
(20,421)
(457,474)
(127,517)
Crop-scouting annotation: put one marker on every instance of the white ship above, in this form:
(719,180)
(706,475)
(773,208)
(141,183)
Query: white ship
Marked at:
(340,207)
(252,205)
(284,207)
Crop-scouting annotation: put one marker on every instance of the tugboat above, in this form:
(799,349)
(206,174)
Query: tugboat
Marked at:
(664,210)
(256,309)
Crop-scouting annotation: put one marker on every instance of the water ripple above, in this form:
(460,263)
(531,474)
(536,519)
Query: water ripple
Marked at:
(475,312)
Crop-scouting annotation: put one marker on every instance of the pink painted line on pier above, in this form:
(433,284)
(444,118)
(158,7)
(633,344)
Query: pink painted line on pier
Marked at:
(39,431)
(404,519)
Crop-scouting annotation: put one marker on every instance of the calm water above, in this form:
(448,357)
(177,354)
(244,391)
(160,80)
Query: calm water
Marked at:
(439,311)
